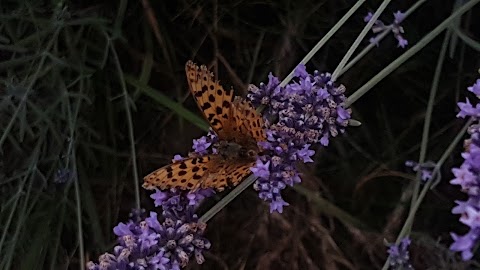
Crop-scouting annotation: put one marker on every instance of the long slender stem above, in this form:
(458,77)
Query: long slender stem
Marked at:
(21,212)
(379,37)
(411,52)
(126,103)
(227,199)
(428,114)
(72,158)
(78,205)
(324,40)
(359,39)
(449,150)
(411,215)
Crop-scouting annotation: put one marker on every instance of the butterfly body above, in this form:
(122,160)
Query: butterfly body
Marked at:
(238,127)
(235,151)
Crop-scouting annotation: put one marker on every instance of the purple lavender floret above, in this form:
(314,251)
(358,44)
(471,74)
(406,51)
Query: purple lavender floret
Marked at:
(467,109)
(155,244)
(475,88)
(312,111)
(468,177)
(396,28)
(426,169)
(160,242)
(201,145)
(368,17)
(268,95)
(179,203)
(399,255)
(204,144)
(465,243)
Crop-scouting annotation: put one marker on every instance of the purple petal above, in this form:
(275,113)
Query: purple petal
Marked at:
(399,16)
(301,71)
(277,205)
(122,229)
(368,17)
(260,169)
(475,88)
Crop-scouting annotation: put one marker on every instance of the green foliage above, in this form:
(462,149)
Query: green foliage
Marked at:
(50,59)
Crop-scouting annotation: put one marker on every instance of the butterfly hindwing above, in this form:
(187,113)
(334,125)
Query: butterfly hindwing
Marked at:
(185,174)
(248,122)
(227,173)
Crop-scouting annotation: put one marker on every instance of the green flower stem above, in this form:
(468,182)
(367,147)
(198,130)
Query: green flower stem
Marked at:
(227,199)
(379,37)
(359,39)
(411,52)
(127,103)
(428,115)
(428,185)
(324,40)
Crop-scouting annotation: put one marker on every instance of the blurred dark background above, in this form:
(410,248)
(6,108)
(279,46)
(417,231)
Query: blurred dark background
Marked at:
(70,122)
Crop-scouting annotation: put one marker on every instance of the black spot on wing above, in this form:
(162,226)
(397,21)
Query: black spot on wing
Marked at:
(206,106)
(211,98)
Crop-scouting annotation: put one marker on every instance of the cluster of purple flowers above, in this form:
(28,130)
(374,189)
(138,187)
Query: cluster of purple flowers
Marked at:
(307,111)
(399,255)
(166,242)
(179,203)
(203,145)
(396,28)
(468,177)
(426,169)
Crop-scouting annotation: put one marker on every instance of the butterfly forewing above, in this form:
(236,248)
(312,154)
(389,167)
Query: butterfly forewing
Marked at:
(214,102)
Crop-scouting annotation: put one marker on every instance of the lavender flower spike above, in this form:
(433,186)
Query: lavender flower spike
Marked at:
(426,169)
(399,255)
(308,111)
(396,28)
(152,244)
(468,177)
(166,241)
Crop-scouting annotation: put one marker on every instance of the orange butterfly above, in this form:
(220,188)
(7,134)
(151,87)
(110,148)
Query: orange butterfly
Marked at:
(238,127)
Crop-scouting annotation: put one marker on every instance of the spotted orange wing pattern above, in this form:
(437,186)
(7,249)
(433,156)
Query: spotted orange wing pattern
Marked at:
(184,174)
(227,173)
(249,127)
(248,122)
(210,171)
(214,102)
(232,120)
